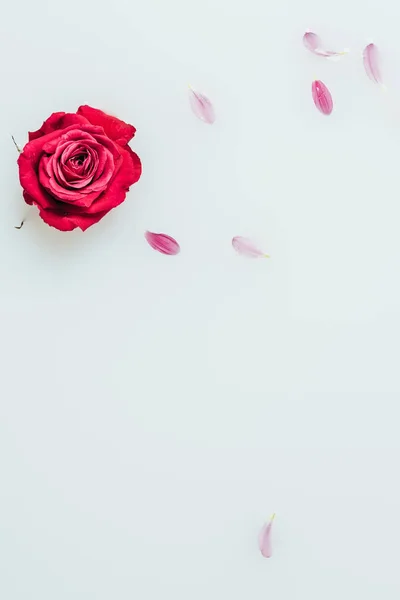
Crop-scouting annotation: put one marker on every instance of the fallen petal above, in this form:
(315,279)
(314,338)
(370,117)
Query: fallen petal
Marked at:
(247,248)
(264,539)
(201,106)
(322,97)
(313,43)
(162,243)
(371,63)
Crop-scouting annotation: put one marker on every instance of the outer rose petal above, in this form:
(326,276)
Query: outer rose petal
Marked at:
(117,130)
(137,165)
(59,120)
(68,222)
(28,199)
(61,219)
(30,183)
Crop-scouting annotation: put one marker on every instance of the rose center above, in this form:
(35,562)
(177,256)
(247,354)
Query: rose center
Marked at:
(78,160)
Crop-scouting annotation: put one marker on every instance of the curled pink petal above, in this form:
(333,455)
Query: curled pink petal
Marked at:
(313,43)
(264,539)
(371,63)
(322,97)
(201,106)
(247,248)
(162,243)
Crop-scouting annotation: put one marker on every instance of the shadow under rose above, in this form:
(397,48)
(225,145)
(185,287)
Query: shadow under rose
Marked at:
(65,243)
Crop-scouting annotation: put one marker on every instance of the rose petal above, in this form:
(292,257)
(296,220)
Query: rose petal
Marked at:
(64,221)
(127,172)
(264,539)
(247,248)
(28,165)
(201,106)
(313,43)
(71,197)
(372,63)
(57,121)
(162,243)
(114,128)
(322,97)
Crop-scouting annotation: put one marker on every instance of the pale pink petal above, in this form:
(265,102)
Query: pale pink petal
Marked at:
(201,106)
(247,248)
(322,97)
(371,63)
(162,243)
(313,43)
(264,539)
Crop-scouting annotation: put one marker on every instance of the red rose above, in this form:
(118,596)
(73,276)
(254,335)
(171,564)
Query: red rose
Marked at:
(77,167)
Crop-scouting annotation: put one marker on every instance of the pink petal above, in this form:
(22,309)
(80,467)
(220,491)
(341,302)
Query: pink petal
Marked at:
(201,106)
(322,97)
(247,248)
(162,243)
(313,43)
(264,539)
(371,63)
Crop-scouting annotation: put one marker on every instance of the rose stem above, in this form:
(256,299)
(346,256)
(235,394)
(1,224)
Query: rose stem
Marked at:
(15,144)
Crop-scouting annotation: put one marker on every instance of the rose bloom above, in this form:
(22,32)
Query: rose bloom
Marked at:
(77,167)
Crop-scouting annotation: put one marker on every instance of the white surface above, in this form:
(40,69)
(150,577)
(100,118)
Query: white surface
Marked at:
(155,410)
